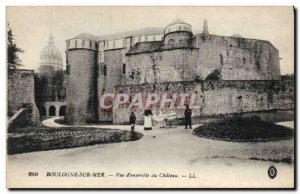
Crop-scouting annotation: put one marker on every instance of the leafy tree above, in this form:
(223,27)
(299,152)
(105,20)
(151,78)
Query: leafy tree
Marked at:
(13,60)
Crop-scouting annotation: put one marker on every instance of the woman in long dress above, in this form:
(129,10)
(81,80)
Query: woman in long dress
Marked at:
(148,119)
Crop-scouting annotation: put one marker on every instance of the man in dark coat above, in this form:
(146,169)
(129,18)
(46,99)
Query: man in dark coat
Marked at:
(188,116)
(132,119)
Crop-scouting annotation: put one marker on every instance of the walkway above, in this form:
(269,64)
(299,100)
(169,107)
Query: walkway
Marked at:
(174,151)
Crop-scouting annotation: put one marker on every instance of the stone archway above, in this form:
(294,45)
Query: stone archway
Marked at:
(52,111)
(62,110)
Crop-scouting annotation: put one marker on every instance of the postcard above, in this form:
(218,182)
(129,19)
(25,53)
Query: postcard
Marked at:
(150,97)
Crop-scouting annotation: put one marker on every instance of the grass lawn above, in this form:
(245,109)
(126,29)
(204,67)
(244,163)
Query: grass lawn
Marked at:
(243,129)
(31,139)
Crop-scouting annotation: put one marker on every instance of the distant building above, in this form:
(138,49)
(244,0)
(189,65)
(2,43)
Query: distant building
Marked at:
(50,58)
(50,87)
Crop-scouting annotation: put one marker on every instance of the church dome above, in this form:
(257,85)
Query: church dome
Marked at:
(51,56)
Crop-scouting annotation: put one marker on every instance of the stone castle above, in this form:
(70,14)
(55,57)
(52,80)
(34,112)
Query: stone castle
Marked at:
(228,73)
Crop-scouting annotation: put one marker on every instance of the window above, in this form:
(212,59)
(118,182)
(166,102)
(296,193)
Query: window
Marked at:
(244,61)
(90,44)
(100,70)
(68,69)
(124,68)
(104,70)
(146,38)
(221,60)
(82,43)
(75,43)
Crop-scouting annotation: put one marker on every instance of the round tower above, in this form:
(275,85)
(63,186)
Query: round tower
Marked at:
(81,94)
(178,33)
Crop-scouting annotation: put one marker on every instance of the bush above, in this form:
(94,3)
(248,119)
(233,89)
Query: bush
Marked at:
(42,138)
(242,129)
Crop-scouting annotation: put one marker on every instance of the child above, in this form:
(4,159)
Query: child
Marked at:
(132,120)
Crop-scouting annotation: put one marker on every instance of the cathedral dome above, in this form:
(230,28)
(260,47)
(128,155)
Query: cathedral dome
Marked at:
(51,56)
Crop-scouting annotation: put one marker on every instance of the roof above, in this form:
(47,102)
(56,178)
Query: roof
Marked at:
(121,35)
(51,51)
(178,21)
(143,47)
(237,36)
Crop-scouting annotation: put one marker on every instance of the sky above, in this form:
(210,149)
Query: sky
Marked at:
(32,25)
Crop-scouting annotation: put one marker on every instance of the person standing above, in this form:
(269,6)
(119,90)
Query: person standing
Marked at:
(148,119)
(132,119)
(188,116)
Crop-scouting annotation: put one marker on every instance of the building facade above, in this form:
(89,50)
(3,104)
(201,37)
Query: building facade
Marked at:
(100,64)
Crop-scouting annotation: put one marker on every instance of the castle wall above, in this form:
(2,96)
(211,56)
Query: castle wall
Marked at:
(232,97)
(20,90)
(114,64)
(114,60)
(81,95)
(237,58)
(163,66)
(178,57)
(21,107)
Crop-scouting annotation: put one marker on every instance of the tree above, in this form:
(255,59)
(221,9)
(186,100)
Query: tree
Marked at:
(13,51)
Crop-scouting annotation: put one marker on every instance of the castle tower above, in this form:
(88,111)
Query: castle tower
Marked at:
(81,95)
(178,34)
(205,27)
(50,58)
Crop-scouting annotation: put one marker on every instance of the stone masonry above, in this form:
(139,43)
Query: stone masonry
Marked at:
(171,55)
